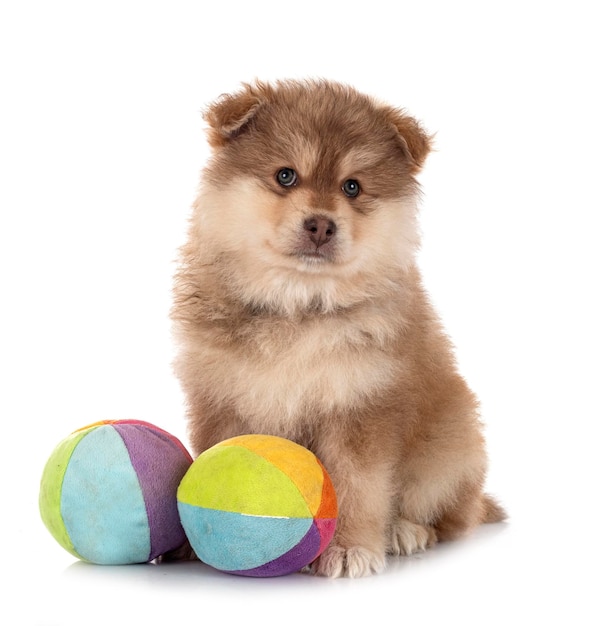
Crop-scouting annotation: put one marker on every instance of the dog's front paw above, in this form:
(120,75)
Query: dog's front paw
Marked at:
(336,562)
(408,538)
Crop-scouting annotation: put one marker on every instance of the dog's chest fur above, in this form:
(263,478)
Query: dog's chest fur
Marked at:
(279,371)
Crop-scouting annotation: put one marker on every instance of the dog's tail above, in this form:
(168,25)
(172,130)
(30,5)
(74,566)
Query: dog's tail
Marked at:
(494,512)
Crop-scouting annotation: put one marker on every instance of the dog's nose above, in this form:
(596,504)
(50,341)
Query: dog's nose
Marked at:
(320,229)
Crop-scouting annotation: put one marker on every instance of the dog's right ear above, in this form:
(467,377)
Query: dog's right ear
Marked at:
(230,114)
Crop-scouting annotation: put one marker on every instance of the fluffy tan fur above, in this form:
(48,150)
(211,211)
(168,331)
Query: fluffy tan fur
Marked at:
(330,342)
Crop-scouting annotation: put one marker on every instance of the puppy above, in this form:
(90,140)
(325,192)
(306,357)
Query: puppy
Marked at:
(299,312)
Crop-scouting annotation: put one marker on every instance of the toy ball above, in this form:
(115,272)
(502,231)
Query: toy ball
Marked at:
(108,492)
(257,505)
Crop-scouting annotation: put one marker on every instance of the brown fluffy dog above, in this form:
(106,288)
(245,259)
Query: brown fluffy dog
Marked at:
(299,312)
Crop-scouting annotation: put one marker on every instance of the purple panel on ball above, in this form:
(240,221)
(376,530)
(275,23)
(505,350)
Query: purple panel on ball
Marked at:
(292,561)
(160,465)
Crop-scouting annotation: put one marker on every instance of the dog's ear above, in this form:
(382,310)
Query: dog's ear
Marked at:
(230,113)
(414,139)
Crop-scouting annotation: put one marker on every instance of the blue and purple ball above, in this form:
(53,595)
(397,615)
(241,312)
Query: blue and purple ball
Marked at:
(108,492)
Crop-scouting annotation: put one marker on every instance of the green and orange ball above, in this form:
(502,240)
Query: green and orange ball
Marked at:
(108,492)
(257,505)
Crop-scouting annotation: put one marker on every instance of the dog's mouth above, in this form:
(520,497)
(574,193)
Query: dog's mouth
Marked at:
(315,257)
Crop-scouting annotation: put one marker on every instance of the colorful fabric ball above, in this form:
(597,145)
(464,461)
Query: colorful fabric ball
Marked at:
(257,505)
(109,492)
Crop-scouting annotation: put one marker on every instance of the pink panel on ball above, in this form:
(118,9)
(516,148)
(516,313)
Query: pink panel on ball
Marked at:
(326,529)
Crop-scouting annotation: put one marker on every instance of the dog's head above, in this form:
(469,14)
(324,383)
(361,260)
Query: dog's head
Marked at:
(310,197)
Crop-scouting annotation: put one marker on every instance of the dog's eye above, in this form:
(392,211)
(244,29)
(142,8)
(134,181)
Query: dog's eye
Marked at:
(351,188)
(286,177)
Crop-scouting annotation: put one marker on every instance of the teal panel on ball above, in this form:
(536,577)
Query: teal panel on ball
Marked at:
(233,541)
(102,504)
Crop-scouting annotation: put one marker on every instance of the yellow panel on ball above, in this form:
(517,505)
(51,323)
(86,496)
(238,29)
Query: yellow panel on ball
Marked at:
(297,462)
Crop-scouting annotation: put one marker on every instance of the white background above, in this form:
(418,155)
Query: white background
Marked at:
(101,142)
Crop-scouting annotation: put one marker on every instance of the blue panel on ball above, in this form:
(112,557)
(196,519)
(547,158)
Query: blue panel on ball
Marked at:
(101,502)
(292,561)
(235,542)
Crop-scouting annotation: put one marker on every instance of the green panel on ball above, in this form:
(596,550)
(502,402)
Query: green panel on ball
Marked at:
(50,489)
(228,478)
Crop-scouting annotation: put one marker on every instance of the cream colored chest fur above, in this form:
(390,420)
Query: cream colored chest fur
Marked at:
(288,372)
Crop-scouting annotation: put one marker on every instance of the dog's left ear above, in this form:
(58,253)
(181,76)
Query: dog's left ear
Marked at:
(415,140)
(230,114)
